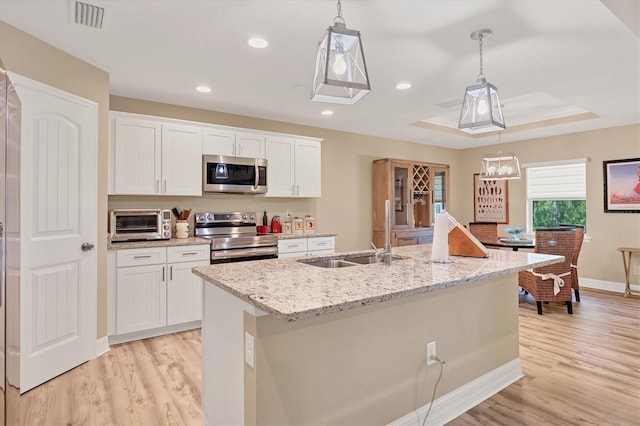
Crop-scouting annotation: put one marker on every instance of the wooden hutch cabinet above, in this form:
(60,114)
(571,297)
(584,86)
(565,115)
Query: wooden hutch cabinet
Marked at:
(417,192)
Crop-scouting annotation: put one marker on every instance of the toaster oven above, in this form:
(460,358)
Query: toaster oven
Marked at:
(139,224)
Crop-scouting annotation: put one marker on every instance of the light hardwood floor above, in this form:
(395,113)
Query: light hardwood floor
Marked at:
(582,369)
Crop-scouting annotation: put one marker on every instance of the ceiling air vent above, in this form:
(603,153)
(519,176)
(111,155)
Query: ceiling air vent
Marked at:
(88,14)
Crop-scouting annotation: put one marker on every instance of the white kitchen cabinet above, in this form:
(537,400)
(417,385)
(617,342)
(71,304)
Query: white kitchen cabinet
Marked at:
(294,167)
(154,291)
(234,144)
(154,158)
(181,160)
(137,156)
(306,246)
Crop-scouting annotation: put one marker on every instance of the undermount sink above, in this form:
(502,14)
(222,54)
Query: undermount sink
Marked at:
(349,260)
(329,263)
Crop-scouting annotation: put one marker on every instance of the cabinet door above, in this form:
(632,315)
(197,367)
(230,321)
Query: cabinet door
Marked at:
(184,293)
(307,171)
(250,146)
(280,157)
(402,209)
(298,246)
(219,142)
(181,160)
(137,156)
(141,298)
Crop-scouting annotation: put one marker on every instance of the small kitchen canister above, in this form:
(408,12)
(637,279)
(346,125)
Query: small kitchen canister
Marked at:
(182,229)
(286,228)
(298,225)
(309,225)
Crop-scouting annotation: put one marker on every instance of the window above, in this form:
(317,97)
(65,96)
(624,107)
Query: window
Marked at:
(556,193)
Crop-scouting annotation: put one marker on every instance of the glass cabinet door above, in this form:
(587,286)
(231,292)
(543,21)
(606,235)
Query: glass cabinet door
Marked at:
(440,184)
(401,209)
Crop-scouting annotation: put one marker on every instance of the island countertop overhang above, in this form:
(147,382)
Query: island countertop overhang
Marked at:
(292,290)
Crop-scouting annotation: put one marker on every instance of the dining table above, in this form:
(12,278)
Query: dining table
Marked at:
(515,245)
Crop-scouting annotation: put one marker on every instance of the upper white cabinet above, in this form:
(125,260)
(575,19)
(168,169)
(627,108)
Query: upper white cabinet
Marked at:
(294,168)
(181,160)
(154,158)
(223,142)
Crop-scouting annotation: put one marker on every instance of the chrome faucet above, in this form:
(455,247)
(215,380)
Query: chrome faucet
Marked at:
(385,254)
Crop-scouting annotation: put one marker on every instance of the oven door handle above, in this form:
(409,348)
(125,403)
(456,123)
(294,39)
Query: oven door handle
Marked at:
(228,254)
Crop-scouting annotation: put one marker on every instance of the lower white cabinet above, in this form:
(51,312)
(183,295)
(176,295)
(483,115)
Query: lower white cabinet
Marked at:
(306,246)
(153,289)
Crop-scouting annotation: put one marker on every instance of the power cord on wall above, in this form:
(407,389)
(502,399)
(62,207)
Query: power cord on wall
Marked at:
(435,388)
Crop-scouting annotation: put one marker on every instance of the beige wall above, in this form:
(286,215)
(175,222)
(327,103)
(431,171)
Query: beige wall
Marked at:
(599,258)
(32,58)
(322,371)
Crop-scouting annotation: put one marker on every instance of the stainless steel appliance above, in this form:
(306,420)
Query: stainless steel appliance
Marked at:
(139,224)
(10,110)
(234,174)
(234,237)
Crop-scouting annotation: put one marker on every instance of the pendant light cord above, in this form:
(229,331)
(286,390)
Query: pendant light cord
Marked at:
(339,16)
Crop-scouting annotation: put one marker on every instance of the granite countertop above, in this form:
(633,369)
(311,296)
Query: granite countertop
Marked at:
(157,243)
(291,290)
(316,235)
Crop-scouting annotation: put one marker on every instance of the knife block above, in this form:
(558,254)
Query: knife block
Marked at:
(463,243)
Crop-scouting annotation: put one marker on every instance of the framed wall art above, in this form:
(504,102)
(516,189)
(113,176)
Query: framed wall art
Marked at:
(490,200)
(622,185)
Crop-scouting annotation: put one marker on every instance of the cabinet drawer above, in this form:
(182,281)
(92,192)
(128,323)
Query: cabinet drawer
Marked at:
(188,253)
(321,243)
(141,256)
(292,245)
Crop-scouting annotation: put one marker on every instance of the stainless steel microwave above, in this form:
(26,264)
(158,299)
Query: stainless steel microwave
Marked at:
(139,224)
(221,173)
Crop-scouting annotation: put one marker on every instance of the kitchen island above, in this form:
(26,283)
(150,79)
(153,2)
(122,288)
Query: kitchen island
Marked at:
(286,342)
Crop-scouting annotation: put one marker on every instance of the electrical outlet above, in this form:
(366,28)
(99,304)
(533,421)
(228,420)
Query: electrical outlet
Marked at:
(249,352)
(431,353)
(288,213)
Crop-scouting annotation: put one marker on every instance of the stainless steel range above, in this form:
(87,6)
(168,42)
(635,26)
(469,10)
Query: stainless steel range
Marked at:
(234,237)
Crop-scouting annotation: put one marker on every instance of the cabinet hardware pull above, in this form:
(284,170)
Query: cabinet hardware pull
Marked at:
(321,243)
(157,186)
(142,257)
(164,191)
(191,253)
(171,273)
(293,190)
(163,274)
(297,189)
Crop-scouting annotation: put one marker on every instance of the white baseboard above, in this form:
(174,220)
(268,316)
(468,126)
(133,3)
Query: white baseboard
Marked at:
(459,401)
(606,285)
(102,346)
(145,334)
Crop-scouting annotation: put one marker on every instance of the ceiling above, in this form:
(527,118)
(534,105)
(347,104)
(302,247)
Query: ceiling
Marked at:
(578,60)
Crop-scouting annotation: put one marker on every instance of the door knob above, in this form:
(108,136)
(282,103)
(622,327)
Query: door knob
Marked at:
(86,246)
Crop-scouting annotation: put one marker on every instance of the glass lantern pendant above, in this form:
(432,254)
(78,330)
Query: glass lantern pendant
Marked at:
(341,72)
(481,108)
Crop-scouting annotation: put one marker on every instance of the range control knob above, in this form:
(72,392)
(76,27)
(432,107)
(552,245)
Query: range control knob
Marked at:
(209,217)
(252,217)
(244,216)
(166,226)
(199,217)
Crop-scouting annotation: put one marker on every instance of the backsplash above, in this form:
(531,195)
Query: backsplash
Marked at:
(223,203)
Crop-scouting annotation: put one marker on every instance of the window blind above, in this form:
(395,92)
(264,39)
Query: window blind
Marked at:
(557,182)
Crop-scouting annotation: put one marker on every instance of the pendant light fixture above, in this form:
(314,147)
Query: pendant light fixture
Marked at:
(500,166)
(481,109)
(341,72)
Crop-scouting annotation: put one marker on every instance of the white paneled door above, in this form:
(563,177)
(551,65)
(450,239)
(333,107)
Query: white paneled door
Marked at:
(58,294)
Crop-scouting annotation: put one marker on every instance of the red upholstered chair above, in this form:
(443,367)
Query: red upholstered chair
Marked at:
(574,261)
(484,231)
(551,283)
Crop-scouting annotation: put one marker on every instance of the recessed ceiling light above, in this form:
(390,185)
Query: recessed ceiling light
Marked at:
(258,43)
(327,112)
(203,89)
(403,86)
